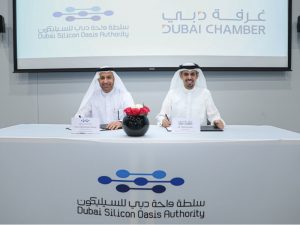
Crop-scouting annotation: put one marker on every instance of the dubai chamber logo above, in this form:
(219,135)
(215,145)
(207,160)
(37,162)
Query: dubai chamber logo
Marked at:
(141,181)
(94,13)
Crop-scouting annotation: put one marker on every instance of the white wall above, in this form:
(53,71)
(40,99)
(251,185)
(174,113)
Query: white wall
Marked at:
(260,98)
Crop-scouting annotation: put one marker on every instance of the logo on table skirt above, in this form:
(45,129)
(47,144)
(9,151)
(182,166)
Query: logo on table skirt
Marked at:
(141,182)
(94,13)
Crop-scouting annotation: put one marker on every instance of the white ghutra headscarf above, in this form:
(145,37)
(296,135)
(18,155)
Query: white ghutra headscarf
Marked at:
(95,86)
(176,82)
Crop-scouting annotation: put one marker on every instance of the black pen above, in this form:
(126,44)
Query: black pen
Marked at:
(167,117)
(168,120)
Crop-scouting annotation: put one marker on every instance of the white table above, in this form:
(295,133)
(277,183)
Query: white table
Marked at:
(246,174)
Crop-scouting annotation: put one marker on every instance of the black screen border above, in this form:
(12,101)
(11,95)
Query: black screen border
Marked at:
(17,70)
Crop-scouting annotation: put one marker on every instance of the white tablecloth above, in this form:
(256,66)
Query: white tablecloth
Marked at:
(246,174)
(155,134)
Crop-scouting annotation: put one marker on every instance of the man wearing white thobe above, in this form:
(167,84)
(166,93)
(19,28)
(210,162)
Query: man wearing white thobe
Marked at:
(189,98)
(106,99)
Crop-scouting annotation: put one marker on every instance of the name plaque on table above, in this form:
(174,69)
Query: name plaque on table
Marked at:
(183,125)
(84,125)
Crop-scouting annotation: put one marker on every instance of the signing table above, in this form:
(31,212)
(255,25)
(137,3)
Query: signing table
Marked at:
(245,174)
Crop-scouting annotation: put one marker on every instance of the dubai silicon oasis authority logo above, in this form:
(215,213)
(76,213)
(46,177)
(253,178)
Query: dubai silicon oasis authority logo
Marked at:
(94,13)
(141,181)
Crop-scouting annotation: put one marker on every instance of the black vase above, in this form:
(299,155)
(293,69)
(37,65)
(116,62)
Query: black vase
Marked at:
(135,125)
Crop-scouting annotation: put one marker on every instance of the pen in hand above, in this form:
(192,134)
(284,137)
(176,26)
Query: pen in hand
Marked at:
(168,123)
(167,117)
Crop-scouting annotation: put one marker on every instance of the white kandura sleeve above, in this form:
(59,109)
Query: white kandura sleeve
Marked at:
(211,109)
(165,109)
(127,101)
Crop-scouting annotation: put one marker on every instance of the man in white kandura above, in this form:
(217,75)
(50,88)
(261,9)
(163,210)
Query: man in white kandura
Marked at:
(189,97)
(106,99)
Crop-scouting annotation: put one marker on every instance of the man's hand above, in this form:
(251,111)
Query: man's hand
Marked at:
(219,124)
(165,123)
(114,125)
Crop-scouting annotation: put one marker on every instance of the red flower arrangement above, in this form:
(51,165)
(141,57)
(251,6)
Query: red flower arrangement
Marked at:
(137,110)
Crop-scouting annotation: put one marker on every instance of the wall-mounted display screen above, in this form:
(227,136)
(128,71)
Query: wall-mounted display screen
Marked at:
(151,34)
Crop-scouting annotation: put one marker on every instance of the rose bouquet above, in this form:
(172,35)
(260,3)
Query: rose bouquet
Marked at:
(136,123)
(137,110)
